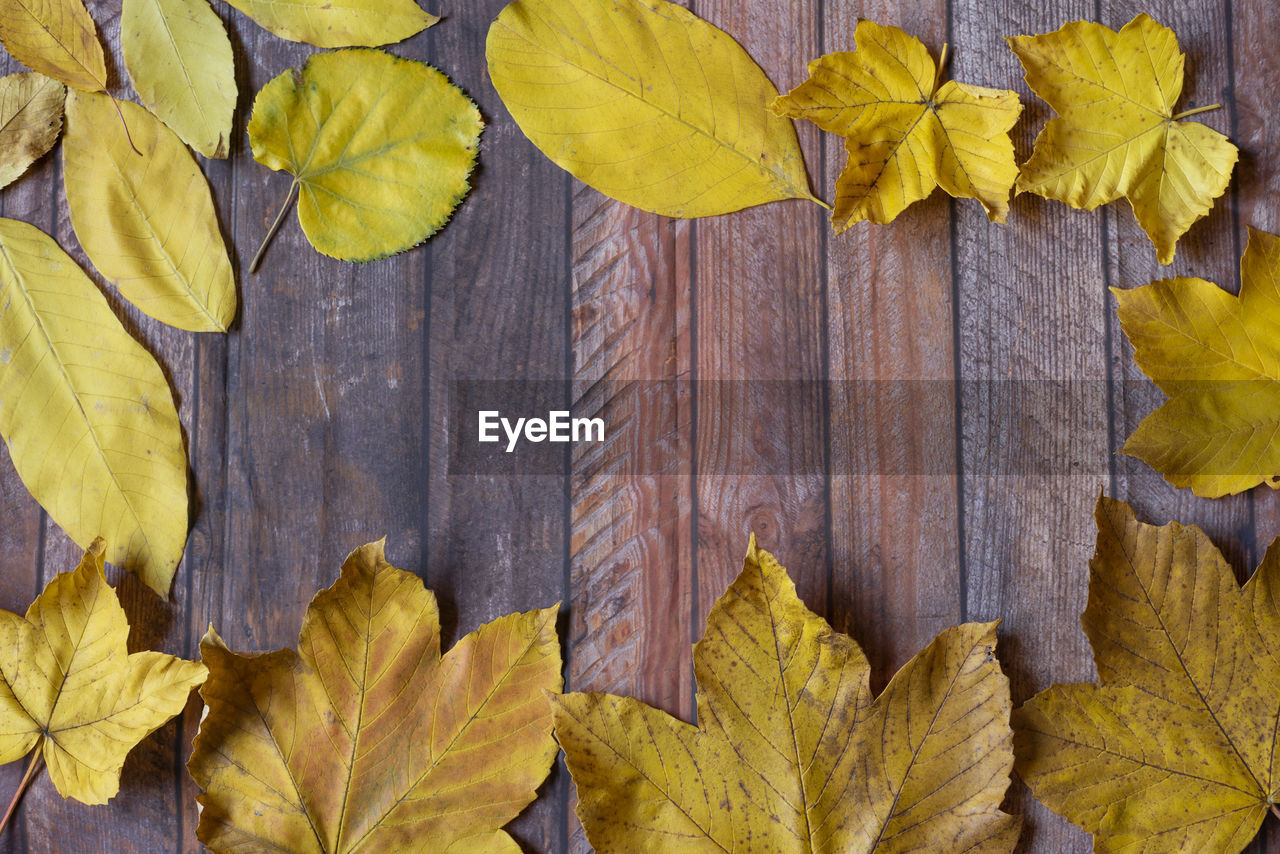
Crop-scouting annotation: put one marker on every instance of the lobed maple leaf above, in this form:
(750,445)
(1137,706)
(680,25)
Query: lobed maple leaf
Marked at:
(906,132)
(792,753)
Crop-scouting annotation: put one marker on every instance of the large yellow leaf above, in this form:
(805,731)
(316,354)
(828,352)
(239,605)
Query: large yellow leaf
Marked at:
(1173,750)
(906,132)
(30,121)
(367,739)
(380,149)
(146,222)
(338,23)
(72,690)
(1116,133)
(1217,356)
(646,103)
(792,754)
(179,58)
(86,412)
(56,38)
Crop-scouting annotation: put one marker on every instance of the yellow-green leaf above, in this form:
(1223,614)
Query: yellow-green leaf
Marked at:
(367,739)
(146,222)
(30,121)
(71,688)
(791,753)
(179,58)
(87,412)
(1116,134)
(906,132)
(56,38)
(646,103)
(338,23)
(380,148)
(1173,751)
(1217,356)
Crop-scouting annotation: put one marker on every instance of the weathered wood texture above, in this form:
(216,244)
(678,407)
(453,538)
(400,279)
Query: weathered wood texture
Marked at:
(916,418)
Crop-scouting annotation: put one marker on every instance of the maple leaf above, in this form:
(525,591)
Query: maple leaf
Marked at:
(1217,356)
(72,690)
(1172,751)
(793,754)
(905,131)
(367,739)
(1116,133)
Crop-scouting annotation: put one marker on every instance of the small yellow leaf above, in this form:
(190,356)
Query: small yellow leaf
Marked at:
(380,148)
(30,121)
(146,222)
(1217,356)
(367,739)
(792,753)
(1116,133)
(904,131)
(56,38)
(1173,750)
(86,411)
(179,58)
(338,23)
(646,103)
(72,689)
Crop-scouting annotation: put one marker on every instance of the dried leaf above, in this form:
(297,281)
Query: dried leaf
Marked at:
(86,412)
(1116,133)
(56,38)
(792,753)
(1217,356)
(72,690)
(367,739)
(30,121)
(180,60)
(646,103)
(380,149)
(905,131)
(146,222)
(1173,750)
(338,23)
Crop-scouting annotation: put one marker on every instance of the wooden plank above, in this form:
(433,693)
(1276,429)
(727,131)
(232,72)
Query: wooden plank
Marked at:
(1029,313)
(499,286)
(895,552)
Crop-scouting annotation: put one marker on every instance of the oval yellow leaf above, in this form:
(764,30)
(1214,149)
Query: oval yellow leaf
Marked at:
(146,222)
(86,412)
(646,103)
(380,149)
(338,23)
(56,38)
(180,61)
(30,121)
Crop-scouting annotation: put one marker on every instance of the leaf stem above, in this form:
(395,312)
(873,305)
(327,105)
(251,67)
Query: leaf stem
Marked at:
(36,756)
(275,226)
(821,203)
(124,124)
(1275,811)
(942,64)
(1180,116)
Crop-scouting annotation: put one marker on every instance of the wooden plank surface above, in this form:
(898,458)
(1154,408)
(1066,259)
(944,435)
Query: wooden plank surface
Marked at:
(917,418)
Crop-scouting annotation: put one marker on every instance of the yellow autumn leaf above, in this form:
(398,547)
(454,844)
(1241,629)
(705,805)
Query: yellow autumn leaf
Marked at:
(646,103)
(905,131)
(72,690)
(1217,356)
(30,121)
(86,411)
(146,222)
(338,23)
(792,753)
(381,149)
(179,59)
(56,38)
(367,739)
(1116,134)
(1172,751)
